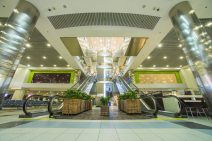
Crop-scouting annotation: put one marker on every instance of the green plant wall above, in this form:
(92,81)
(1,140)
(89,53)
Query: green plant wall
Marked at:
(32,72)
(137,73)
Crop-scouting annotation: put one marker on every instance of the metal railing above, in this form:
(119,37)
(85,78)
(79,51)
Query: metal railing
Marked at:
(35,104)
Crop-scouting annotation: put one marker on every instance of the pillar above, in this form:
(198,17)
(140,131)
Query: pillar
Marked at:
(16,31)
(197,47)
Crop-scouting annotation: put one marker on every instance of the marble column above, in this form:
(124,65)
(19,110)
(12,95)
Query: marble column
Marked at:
(13,36)
(197,47)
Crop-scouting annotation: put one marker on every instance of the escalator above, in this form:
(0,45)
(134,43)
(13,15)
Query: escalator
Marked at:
(147,101)
(38,105)
(35,105)
(169,105)
(153,103)
(55,104)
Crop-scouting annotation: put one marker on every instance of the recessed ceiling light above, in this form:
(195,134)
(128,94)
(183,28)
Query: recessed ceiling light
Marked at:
(60,57)
(209,24)
(164,57)
(28,65)
(15,10)
(48,45)
(160,45)
(44,57)
(180,45)
(191,12)
(41,65)
(167,66)
(54,65)
(28,57)
(27,45)
(181,57)
(149,57)
(154,65)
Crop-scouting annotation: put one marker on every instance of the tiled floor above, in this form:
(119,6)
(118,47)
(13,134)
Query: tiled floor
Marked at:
(104,130)
(94,114)
(158,129)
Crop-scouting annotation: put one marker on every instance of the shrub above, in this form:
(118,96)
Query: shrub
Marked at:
(76,94)
(104,100)
(128,95)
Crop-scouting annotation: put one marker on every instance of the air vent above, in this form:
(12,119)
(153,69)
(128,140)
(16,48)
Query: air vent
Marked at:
(104,19)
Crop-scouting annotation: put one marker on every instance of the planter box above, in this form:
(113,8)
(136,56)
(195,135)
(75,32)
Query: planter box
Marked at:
(82,106)
(90,105)
(104,111)
(122,108)
(132,106)
(71,106)
(87,105)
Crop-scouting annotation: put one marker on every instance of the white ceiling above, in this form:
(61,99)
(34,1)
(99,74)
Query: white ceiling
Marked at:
(146,7)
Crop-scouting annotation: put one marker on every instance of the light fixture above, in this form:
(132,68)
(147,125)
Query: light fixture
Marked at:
(181,57)
(167,66)
(44,57)
(154,65)
(181,66)
(160,45)
(208,24)
(41,65)
(60,57)
(27,45)
(149,57)
(191,12)
(48,45)
(28,65)
(180,45)
(68,65)
(15,10)
(28,57)
(55,65)
(164,57)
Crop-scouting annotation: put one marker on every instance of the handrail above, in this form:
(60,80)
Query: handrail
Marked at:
(81,80)
(84,82)
(153,111)
(125,83)
(179,101)
(50,103)
(26,101)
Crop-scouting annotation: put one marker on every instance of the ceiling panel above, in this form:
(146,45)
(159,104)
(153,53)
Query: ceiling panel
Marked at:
(170,48)
(38,48)
(104,19)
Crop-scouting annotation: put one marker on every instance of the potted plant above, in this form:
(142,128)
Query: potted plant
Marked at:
(72,102)
(104,106)
(130,103)
(121,99)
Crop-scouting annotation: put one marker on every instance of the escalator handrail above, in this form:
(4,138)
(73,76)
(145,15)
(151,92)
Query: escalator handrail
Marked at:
(179,101)
(78,82)
(125,83)
(26,101)
(84,82)
(50,103)
(91,80)
(155,110)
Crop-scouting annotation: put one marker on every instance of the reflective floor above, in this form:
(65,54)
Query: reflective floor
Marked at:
(157,129)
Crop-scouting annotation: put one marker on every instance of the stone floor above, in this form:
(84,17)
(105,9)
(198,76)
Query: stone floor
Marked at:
(155,129)
(94,114)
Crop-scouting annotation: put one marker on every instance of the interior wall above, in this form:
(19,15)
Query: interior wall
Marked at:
(188,78)
(20,77)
